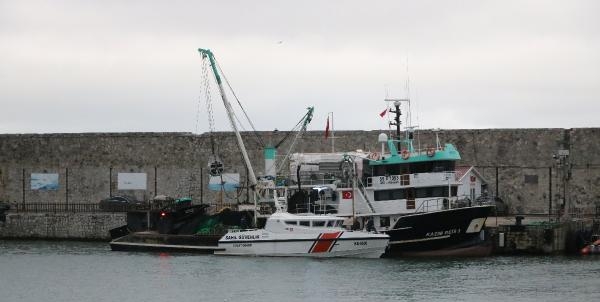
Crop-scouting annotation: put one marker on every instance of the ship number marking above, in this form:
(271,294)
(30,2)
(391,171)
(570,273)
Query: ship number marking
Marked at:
(443,233)
(390,180)
(242,244)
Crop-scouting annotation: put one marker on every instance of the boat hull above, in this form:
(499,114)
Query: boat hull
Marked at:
(453,232)
(333,244)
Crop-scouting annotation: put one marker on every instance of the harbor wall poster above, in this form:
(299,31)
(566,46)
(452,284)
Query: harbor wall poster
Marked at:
(228,181)
(132,181)
(44,181)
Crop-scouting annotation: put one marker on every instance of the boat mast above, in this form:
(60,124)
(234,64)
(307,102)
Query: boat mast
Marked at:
(397,121)
(251,176)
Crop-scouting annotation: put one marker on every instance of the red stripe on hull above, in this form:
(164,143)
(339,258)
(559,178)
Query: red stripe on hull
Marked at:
(325,242)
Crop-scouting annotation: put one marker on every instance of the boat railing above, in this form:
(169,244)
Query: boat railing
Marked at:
(316,208)
(240,230)
(53,207)
(445,203)
(433,204)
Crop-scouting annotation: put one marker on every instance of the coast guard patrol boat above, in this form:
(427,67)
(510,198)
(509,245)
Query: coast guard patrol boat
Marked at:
(307,235)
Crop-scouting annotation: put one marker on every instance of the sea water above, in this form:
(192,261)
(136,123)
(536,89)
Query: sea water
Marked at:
(35,271)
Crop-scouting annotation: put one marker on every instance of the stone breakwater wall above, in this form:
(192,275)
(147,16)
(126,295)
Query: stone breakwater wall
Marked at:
(72,226)
(517,163)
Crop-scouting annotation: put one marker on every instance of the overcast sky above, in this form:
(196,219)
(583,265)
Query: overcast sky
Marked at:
(121,66)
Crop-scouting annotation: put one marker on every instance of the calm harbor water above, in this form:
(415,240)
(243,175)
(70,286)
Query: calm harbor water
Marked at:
(89,271)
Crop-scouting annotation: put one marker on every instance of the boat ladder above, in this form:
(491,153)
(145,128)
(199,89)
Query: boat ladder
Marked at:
(361,189)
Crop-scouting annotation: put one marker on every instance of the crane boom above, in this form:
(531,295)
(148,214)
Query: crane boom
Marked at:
(306,119)
(206,53)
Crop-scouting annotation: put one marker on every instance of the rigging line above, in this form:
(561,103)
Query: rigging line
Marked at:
(209,109)
(201,95)
(305,119)
(290,132)
(259,139)
(239,121)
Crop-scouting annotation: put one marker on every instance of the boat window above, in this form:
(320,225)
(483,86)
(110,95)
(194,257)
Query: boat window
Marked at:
(318,223)
(390,194)
(398,194)
(291,222)
(384,221)
(339,223)
(382,195)
(437,192)
(418,193)
(304,222)
(421,193)
(404,180)
(331,223)
(453,190)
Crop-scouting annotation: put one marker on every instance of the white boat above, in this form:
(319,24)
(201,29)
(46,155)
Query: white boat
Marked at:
(309,235)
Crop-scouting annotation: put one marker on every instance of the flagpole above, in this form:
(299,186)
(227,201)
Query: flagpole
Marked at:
(332,135)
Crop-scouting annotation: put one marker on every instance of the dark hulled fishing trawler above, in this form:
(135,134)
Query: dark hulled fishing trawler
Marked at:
(408,193)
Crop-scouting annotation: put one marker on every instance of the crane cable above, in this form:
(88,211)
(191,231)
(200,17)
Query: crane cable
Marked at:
(257,137)
(209,107)
(215,165)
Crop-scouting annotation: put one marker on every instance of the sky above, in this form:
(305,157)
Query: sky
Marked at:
(133,66)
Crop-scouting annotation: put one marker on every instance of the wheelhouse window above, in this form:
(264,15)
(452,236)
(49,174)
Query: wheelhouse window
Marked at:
(291,222)
(453,191)
(437,191)
(318,223)
(331,223)
(412,168)
(304,223)
(428,192)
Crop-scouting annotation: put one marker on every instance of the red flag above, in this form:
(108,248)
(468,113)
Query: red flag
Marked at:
(382,114)
(327,129)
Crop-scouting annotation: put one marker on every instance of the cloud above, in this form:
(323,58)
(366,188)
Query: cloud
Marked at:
(124,66)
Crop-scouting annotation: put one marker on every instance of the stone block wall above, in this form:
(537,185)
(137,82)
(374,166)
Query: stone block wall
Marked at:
(517,163)
(86,226)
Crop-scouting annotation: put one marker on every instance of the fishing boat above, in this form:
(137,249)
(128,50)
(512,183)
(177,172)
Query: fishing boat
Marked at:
(309,235)
(407,192)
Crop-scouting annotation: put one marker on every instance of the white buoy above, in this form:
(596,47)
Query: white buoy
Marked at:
(382,138)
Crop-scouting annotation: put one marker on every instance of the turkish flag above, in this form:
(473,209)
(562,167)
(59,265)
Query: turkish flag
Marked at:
(382,114)
(346,194)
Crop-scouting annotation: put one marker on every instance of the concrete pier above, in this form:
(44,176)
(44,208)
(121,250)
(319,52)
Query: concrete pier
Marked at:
(538,235)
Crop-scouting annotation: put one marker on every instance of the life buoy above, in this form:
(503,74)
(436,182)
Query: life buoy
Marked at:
(430,152)
(405,154)
(373,155)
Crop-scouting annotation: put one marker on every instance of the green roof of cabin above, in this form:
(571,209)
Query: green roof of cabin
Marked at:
(448,152)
